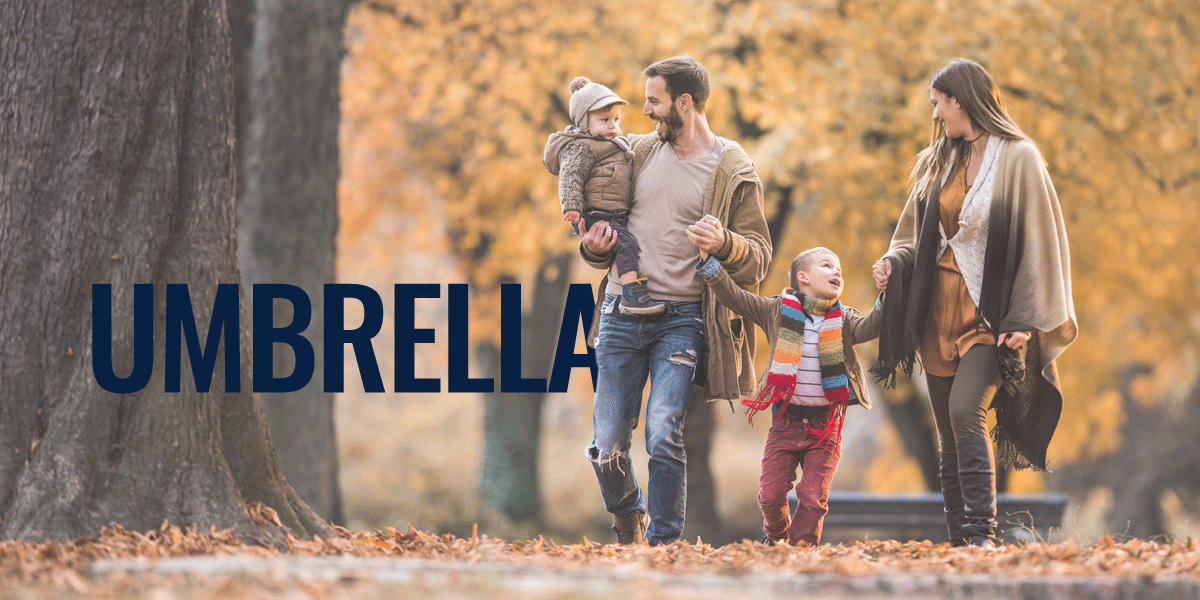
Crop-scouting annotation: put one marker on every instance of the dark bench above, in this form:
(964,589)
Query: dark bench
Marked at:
(1019,517)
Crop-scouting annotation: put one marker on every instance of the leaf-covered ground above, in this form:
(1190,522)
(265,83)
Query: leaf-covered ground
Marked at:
(57,569)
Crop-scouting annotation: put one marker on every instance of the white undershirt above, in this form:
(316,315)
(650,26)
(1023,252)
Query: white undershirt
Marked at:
(808,372)
(667,197)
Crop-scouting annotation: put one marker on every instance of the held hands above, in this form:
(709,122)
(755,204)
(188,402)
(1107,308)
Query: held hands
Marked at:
(707,235)
(1013,339)
(600,239)
(571,216)
(882,271)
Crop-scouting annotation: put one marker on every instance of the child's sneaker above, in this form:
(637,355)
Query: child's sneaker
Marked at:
(636,300)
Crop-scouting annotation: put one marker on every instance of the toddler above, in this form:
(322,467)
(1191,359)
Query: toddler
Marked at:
(593,163)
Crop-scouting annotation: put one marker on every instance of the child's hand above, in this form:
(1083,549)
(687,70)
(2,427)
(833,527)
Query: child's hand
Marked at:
(571,216)
(882,271)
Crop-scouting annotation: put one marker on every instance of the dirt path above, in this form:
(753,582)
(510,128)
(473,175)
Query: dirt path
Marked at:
(425,578)
(174,563)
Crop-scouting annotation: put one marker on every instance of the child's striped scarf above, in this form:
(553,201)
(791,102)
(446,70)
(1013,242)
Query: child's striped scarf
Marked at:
(780,381)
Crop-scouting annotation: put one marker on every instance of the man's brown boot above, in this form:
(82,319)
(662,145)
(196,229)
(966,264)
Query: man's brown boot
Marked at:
(631,528)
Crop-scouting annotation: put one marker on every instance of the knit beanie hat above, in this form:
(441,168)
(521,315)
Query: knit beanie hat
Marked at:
(587,96)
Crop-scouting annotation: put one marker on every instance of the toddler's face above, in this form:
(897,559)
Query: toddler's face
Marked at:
(605,122)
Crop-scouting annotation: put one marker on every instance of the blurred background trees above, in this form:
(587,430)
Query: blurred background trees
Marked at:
(446,108)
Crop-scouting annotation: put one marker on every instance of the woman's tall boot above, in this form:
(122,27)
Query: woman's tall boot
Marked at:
(978,478)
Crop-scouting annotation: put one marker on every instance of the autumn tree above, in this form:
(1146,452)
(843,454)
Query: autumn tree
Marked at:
(831,100)
(117,170)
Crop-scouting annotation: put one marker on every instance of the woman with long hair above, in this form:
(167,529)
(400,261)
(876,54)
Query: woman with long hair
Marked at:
(978,282)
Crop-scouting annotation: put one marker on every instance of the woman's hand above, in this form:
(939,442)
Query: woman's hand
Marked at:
(571,216)
(600,239)
(1013,339)
(882,271)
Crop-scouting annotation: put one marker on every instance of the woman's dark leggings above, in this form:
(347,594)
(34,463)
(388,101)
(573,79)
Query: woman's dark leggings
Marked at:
(960,402)
(967,473)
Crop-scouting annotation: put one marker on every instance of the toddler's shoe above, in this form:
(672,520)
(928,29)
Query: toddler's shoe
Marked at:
(636,300)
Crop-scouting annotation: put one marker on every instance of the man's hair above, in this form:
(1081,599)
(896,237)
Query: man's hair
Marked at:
(804,261)
(683,75)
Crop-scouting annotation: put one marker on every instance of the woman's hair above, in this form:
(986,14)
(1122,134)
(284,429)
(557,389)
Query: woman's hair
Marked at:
(969,83)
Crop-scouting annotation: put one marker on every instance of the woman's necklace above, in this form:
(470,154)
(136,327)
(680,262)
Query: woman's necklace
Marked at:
(968,155)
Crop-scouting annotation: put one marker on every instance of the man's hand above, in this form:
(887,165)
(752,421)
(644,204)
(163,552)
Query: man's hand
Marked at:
(882,271)
(600,239)
(707,234)
(1014,339)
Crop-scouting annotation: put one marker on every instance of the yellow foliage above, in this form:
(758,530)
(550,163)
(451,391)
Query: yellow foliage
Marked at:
(1026,482)
(894,470)
(446,107)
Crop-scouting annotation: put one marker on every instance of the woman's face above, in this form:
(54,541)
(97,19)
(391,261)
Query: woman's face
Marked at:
(950,114)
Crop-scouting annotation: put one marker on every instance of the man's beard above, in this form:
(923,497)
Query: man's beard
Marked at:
(672,126)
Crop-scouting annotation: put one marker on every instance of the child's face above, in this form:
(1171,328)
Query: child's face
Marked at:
(605,122)
(822,278)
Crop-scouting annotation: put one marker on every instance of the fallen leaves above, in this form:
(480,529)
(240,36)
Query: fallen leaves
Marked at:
(62,566)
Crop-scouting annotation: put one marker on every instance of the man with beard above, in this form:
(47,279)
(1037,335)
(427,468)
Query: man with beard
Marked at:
(682,172)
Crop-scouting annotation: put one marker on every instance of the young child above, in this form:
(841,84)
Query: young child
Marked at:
(594,166)
(814,375)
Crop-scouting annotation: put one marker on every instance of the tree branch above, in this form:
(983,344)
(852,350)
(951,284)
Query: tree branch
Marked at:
(392,11)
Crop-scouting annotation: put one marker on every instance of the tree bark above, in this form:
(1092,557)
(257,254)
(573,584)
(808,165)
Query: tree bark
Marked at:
(509,483)
(117,167)
(702,520)
(287,214)
(241,14)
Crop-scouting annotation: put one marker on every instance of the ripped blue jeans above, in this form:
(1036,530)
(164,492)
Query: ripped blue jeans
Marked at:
(629,348)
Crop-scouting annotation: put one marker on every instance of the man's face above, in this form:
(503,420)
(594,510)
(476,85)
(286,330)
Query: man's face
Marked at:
(660,108)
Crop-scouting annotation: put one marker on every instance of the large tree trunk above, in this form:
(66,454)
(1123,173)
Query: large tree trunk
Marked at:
(702,520)
(287,215)
(509,484)
(117,167)
(512,423)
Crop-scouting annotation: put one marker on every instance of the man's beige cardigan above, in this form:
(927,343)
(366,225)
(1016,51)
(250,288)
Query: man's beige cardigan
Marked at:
(735,197)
